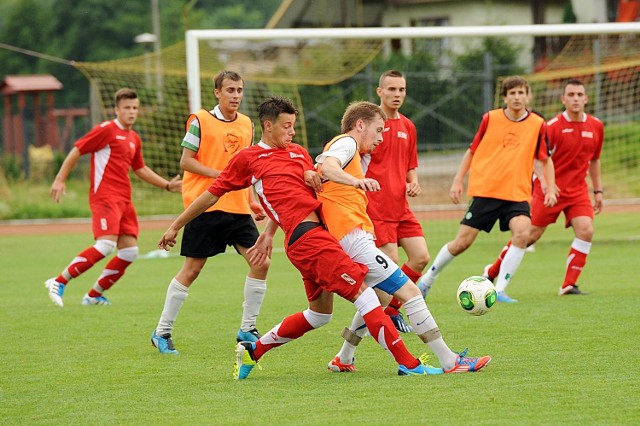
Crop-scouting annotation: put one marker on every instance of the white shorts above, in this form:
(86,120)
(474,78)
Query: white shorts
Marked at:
(360,246)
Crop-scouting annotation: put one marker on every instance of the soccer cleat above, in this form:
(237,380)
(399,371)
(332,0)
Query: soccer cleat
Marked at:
(248,336)
(423,369)
(400,324)
(465,364)
(164,343)
(100,300)
(571,289)
(337,367)
(504,298)
(485,272)
(424,288)
(56,290)
(244,360)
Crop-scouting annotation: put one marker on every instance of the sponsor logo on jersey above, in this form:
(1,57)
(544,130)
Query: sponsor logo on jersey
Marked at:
(294,155)
(567,130)
(348,279)
(586,134)
(402,135)
(121,138)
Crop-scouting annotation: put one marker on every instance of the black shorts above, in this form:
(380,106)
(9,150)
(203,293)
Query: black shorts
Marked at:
(210,233)
(482,213)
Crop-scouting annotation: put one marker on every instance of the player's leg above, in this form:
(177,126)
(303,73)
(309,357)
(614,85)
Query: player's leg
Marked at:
(465,237)
(577,258)
(519,226)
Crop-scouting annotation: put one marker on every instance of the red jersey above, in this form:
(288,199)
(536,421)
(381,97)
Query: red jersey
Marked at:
(573,145)
(114,151)
(390,163)
(277,176)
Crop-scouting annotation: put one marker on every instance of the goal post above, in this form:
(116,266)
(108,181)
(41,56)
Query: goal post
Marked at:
(193,38)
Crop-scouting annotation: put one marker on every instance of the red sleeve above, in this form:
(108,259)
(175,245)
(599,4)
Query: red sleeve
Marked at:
(598,150)
(138,160)
(543,147)
(413,154)
(482,129)
(236,175)
(95,140)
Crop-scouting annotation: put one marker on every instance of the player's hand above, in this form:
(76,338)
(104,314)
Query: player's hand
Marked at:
(367,184)
(257,210)
(168,240)
(598,203)
(413,189)
(58,189)
(313,179)
(261,250)
(455,193)
(550,199)
(175,184)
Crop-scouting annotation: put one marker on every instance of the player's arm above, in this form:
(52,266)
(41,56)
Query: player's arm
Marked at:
(596,181)
(195,209)
(413,186)
(255,206)
(190,163)
(148,175)
(548,171)
(261,250)
(332,169)
(455,193)
(58,187)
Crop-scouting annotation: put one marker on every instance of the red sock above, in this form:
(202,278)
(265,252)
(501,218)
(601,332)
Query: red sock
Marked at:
(382,329)
(575,263)
(111,273)
(289,329)
(494,270)
(80,263)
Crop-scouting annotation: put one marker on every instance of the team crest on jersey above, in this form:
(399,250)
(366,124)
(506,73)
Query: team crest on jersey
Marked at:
(586,134)
(402,135)
(348,279)
(231,143)
(511,141)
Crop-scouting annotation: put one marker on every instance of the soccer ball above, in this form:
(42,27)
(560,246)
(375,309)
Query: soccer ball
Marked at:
(476,295)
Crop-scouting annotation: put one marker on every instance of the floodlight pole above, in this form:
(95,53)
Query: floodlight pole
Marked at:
(192,38)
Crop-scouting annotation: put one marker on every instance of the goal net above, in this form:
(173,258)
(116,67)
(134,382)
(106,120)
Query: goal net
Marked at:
(322,73)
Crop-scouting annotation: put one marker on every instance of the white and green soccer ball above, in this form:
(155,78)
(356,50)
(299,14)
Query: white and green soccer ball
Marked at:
(476,295)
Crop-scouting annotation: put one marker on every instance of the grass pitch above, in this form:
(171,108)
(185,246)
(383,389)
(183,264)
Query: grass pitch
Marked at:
(569,360)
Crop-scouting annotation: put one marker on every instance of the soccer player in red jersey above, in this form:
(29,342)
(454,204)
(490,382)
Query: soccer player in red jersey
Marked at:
(283,175)
(394,164)
(500,161)
(115,148)
(575,141)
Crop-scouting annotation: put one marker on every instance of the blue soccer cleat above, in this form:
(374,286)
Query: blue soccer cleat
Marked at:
(248,336)
(504,298)
(56,290)
(244,360)
(164,343)
(423,369)
(100,300)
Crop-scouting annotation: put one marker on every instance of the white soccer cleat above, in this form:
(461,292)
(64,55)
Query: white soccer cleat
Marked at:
(56,290)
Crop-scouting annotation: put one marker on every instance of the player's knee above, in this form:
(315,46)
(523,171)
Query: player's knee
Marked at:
(316,319)
(106,247)
(128,254)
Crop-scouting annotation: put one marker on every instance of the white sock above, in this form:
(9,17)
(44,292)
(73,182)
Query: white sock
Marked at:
(254,290)
(422,321)
(348,351)
(510,264)
(176,295)
(443,258)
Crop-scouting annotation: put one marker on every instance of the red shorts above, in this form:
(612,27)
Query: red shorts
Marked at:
(325,266)
(392,231)
(571,207)
(117,218)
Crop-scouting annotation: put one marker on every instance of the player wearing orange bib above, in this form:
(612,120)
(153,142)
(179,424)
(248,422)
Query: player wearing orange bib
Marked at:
(212,139)
(500,160)
(575,140)
(344,211)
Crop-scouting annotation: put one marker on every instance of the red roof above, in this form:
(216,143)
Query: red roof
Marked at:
(13,84)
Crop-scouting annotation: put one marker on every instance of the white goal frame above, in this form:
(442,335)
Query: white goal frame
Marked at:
(193,37)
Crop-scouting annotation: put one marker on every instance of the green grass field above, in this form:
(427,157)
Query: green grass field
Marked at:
(568,360)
